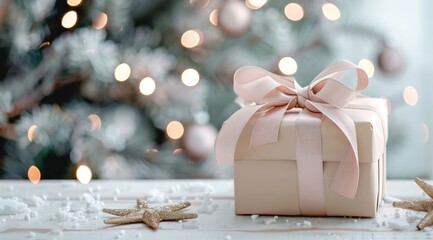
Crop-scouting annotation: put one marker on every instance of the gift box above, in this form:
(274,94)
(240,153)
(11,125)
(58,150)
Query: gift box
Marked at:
(318,150)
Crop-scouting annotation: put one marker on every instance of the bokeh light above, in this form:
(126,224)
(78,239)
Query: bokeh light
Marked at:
(95,120)
(255,4)
(69,19)
(213,17)
(367,66)
(83,174)
(122,72)
(191,38)
(174,130)
(410,96)
(294,11)
(147,86)
(425,132)
(190,77)
(31,133)
(100,21)
(331,11)
(34,174)
(74,3)
(288,66)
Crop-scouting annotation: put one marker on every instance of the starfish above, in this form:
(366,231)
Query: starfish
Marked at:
(424,205)
(151,216)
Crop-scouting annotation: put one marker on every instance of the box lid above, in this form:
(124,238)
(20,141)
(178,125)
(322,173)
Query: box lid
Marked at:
(369,115)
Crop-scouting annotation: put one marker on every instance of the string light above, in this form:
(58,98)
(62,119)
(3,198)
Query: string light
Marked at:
(331,11)
(74,3)
(44,44)
(174,130)
(122,72)
(190,77)
(83,174)
(147,86)
(100,21)
(191,38)
(425,133)
(213,17)
(255,4)
(410,96)
(34,174)
(69,19)
(31,133)
(294,11)
(95,120)
(367,66)
(288,66)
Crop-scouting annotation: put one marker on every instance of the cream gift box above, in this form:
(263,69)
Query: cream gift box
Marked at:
(267,179)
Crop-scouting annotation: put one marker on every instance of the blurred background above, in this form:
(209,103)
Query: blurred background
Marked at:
(138,89)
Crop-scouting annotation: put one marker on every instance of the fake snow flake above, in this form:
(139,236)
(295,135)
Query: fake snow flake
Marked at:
(76,225)
(307,223)
(191,225)
(156,196)
(31,235)
(12,207)
(398,225)
(57,232)
(228,237)
(208,206)
(412,218)
(27,217)
(254,216)
(138,235)
(269,221)
(33,201)
(33,214)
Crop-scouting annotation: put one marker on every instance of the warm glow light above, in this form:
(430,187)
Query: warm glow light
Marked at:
(100,21)
(294,11)
(34,174)
(147,86)
(84,174)
(95,121)
(190,77)
(69,19)
(213,17)
(174,130)
(288,66)
(367,66)
(191,38)
(410,96)
(44,44)
(122,72)
(31,133)
(74,3)
(255,4)
(425,132)
(331,11)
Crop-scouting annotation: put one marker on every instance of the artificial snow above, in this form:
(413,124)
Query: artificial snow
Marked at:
(12,207)
(398,225)
(33,201)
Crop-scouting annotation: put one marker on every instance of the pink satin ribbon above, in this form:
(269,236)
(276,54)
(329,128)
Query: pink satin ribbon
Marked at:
(269,96)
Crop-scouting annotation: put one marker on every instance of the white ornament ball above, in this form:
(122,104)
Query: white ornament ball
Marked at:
(198,140)
(234,18)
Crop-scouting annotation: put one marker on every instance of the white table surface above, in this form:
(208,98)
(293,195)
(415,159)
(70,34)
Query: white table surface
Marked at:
(221,224)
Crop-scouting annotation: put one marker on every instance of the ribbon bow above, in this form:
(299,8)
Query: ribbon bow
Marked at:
(271,95)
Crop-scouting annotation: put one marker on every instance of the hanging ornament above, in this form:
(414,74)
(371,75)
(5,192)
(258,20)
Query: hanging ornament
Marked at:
(198,141)
(234,18)
(390,60)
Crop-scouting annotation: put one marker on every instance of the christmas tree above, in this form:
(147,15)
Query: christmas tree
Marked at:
(138,89)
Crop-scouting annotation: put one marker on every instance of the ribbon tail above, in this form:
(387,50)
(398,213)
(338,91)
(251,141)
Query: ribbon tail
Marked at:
(267,127)
(346,177)
(225,144)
